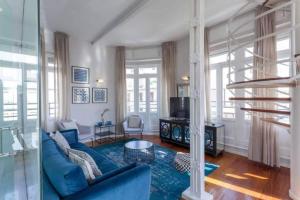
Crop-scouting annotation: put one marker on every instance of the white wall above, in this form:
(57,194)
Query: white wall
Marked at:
(182,58)
(100,60)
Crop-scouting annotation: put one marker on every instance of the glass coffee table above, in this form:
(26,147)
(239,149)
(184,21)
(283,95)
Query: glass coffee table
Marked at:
(139,151)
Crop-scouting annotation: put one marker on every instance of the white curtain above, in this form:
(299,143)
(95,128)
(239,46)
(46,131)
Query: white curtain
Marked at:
(44,84)
(120,86)
(168,84)
(63,74)
(207,77)
(263,137)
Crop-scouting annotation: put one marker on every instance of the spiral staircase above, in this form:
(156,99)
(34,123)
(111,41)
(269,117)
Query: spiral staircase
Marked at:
(273,116)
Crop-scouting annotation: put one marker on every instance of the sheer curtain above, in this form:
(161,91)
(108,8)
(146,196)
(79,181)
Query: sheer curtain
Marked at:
(63,73)
(263,136)
(207,77)
(168,84)
(121,86)
(44,84)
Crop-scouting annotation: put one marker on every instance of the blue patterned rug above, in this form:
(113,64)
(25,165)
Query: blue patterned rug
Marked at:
(167,182)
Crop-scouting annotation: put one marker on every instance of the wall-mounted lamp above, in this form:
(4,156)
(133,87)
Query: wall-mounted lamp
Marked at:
(99,81)
(185,78)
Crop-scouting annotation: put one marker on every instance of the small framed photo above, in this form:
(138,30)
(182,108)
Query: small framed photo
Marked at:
(80,95)
(80,75)
(99,95)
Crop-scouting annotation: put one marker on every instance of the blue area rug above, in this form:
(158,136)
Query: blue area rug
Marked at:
(167,182)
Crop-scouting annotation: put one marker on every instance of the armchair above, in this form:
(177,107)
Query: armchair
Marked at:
(133,124)
(85,132)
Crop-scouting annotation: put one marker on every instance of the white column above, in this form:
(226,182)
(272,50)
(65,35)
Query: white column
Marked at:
(295,146)
(196,190)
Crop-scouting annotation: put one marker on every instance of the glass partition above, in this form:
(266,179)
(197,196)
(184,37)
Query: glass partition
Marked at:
(19,100)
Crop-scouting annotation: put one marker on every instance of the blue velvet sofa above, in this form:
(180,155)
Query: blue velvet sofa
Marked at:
(65,180)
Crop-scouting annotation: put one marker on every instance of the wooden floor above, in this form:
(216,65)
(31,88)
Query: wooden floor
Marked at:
(238,178)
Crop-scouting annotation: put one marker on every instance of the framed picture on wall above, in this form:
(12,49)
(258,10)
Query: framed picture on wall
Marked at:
(99,95)
(80,75)
(80,95)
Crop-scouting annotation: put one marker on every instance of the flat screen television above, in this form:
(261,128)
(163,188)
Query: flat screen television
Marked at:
(180,107)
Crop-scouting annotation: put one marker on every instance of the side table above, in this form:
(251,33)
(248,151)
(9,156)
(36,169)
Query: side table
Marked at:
(105,132)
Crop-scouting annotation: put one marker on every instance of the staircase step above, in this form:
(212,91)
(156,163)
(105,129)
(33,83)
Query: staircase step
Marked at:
(264,83)
(267,111)
(260,99)
(274,121)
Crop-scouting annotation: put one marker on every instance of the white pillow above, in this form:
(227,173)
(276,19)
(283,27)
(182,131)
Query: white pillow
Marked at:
(87,157)
(70,125)
(85,166)
(134,122)
(61,141)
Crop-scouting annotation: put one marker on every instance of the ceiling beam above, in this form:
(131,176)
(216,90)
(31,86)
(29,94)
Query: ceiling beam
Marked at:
(123,16)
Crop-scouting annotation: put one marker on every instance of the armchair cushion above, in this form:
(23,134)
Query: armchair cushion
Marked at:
(133,130)
(134,122)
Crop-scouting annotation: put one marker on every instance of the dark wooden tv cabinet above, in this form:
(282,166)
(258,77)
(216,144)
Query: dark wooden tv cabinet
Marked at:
(177,131)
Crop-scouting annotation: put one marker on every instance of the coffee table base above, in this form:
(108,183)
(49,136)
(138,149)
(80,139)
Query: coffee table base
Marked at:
(139,155)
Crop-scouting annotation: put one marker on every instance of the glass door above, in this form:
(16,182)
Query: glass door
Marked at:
(143,93)
(148,102)
(19,118)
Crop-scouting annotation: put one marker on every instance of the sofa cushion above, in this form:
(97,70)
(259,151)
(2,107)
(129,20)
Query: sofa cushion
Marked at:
(71,136)
(84,164)
(134,122)
(66,177)
(61,141)
(104,164)
(89,159)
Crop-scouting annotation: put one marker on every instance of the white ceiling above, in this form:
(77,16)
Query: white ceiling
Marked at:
(154,22)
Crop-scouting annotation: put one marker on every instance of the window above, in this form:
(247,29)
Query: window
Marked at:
(228,105)
(130,95)
(218,82)
(11,81)
(243,58)
(19,86)
(213,93)
(52,85)
(145,75)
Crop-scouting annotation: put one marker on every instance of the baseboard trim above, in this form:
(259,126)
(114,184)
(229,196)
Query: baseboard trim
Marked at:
(187,195)
(242,151)
(293,195)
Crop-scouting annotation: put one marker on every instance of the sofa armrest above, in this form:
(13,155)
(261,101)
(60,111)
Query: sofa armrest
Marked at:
(133,184)
(70,135)
(113,173)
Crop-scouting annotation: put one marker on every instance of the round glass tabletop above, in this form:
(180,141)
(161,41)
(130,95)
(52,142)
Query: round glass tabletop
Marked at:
(141,144)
